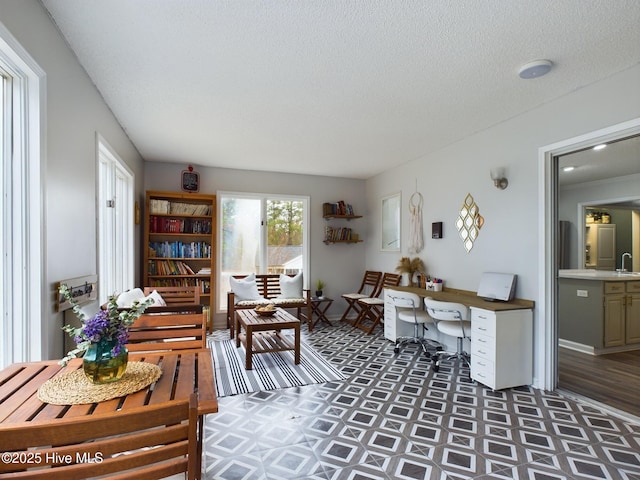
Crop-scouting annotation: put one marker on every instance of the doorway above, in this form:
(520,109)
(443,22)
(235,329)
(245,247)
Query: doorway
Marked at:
(550,212)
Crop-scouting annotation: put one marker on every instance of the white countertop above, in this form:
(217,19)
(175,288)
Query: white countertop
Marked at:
(600,275)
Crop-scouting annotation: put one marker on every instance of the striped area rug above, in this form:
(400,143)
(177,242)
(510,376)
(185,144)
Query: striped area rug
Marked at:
(271,371)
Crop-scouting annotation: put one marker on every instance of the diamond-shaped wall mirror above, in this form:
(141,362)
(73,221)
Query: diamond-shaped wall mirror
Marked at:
(469,222)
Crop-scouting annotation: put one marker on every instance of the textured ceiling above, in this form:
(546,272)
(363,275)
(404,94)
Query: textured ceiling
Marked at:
(348,88)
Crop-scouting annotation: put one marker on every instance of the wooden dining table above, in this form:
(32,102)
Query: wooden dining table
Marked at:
(183,372)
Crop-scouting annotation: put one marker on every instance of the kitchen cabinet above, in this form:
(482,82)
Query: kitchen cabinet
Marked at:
(599,311)
(621,313)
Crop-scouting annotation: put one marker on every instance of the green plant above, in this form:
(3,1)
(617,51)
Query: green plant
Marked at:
(110,324)
(319,285)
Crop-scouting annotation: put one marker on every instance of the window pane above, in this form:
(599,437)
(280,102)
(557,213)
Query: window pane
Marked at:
(240,241)
(284,236)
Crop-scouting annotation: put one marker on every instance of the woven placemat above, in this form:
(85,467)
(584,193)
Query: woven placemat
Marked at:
(74,388)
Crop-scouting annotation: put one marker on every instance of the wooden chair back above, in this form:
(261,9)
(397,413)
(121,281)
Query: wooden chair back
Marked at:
(370,282)
(153,441)
(169,328)
(388,280)
(177,295)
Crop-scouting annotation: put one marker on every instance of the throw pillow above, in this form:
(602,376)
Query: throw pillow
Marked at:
(291,287)
(125,299)
(245,288)
(158,301)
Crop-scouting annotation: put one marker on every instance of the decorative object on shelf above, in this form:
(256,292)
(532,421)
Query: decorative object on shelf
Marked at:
(190,180)
(319,286)
(410,267)
(469,222)
(416,239)
(390,223)
(102,338)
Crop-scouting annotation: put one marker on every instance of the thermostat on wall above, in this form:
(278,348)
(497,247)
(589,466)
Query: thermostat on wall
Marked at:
(436,230)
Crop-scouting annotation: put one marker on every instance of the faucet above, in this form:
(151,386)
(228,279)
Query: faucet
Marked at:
(622,269)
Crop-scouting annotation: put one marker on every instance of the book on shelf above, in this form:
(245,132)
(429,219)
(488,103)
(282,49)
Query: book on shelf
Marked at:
(342,234)
(179,225)
(337,208)
(180,249)
(165,207)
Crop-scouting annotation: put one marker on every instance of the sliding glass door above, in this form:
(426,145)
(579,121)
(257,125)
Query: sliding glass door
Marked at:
(260,234)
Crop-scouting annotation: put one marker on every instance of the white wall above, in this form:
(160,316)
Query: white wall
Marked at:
(340,265)
(75,112)
(509,239)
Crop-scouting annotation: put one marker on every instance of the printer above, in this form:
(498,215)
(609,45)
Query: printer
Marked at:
(497,286)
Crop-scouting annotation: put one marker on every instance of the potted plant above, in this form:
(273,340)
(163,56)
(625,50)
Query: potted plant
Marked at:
(409,267)
(319,286)
(102,338)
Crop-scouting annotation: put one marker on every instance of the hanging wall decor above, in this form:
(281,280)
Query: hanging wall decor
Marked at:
(469,222)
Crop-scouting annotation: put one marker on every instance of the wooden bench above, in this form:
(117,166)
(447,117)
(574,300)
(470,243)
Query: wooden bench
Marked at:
(269,287)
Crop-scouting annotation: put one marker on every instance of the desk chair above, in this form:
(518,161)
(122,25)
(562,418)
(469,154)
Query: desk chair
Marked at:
(451,319)
(408,308)
(368,287)
(372,308)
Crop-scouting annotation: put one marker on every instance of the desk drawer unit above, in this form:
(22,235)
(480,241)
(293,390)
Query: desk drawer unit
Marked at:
(501,347)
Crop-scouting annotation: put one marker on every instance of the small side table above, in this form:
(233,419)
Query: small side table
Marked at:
(319,306)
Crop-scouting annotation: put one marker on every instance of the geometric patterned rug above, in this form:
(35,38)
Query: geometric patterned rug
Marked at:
(271,371)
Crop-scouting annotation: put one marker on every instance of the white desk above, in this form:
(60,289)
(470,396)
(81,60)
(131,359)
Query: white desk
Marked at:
(501,336)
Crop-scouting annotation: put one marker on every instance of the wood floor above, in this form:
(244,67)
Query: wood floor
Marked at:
(613,379)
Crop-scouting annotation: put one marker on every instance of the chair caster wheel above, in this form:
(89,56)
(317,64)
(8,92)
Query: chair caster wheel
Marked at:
(435,367)
(396,350)
(427,355)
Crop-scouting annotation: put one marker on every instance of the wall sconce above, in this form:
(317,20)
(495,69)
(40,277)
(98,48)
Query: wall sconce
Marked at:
(498,177)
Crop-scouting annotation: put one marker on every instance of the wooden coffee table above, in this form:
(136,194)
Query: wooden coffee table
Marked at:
(261,334)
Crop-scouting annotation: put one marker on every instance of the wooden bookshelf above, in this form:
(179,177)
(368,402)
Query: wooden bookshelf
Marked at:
(179,242)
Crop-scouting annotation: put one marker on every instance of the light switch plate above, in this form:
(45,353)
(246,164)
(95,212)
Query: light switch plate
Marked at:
(583,293)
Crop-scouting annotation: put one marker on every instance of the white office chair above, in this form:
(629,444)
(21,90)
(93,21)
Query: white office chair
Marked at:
(409,309)
(451,319)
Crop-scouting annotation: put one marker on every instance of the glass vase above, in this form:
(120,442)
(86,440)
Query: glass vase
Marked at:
(100,366)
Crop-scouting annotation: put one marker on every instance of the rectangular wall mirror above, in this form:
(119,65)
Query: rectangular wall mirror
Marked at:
(391,223)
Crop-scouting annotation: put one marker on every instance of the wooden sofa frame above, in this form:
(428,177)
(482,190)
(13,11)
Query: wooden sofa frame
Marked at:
(269,288)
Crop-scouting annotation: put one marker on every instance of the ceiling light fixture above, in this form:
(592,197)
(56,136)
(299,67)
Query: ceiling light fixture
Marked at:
(568,168)
(600,147)
(535,69)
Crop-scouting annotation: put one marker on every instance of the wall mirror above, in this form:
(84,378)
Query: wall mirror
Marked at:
(391,223)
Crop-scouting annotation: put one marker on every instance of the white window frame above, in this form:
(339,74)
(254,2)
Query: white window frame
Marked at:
(22,325)
(115,222)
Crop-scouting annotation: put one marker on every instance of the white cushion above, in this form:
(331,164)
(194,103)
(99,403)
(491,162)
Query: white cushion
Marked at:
(126,299)
(290,287)
(158,301)
(371,301)
(354,296)
(288,301)
(245,288)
